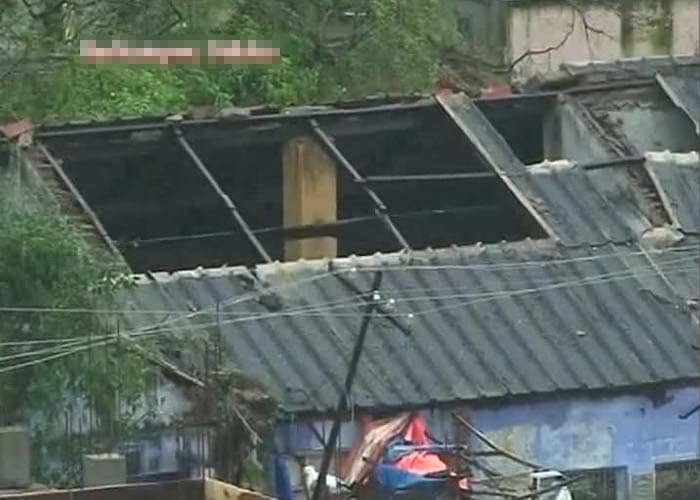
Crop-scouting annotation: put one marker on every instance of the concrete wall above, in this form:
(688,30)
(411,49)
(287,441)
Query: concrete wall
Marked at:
(162,404)
(630,432)
(630,116)
(536,27)
(15,457)
(104,470)
(636,28)
(655,27)
(633,432)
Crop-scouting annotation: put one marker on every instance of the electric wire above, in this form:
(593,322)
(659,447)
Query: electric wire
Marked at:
(254,295)
(477,298)
(328,310)
(87,342)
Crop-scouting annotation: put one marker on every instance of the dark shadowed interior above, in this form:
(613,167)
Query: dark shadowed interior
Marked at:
(163,214)
(528,124)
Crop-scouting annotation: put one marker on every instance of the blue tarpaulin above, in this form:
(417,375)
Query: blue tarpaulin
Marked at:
(393,480)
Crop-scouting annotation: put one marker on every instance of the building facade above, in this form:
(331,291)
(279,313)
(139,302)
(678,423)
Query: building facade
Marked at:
(542,35)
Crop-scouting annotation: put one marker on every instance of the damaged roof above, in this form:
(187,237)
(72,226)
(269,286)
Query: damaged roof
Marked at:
(684,91)
(677,179)
(595,289)
(514,319)
(476,170)
(631,68)
(604,202)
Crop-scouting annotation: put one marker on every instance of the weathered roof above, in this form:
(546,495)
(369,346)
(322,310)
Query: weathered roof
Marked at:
(580,208)
(208,114)
(686,285)
(574,205)
(586,309)
(514,319)
(608,124)
(677,179)
(630,68)
(685,93)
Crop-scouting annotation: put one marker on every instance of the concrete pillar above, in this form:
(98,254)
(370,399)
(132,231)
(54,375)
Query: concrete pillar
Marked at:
(552,134)
(310,197)
(104,470)
(15,457)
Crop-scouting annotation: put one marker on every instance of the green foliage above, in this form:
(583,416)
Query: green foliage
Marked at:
(46,264)
(381,46)
(72,89)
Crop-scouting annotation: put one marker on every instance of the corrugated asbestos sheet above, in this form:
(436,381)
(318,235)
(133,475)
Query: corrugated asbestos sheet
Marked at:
(685,93)
(677,179)
(570,203)
(629,69)
(684,255)
(581,210)
(491,321)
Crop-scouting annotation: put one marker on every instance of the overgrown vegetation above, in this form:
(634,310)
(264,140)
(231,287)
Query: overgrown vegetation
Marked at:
(59,373)
(331,49)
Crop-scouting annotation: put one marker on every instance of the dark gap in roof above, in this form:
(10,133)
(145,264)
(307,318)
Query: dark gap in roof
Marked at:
(156,192)
(528,124)
(165,216)
(433,213)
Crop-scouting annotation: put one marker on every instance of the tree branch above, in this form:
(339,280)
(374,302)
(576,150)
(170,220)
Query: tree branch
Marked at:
(588,29)
(179,18)
(45,12)
(547,50)
(576,10)
(586,24)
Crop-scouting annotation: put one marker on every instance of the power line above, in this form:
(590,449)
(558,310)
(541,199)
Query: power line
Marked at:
(330,309)
(145,333)
(319,310)
(388,267)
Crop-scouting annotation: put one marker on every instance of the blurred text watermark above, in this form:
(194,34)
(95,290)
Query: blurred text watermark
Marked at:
(181,52)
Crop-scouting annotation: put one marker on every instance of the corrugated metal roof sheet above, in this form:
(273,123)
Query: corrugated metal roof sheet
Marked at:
(211,113)
(629,68)
(677,179)
(685,93)
(580,208)
(686,254)
(487,321)
(573,205)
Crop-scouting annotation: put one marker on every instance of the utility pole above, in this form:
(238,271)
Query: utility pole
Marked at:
(372,304)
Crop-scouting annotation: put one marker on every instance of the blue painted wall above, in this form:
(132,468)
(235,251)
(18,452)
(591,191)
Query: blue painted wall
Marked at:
(633,431)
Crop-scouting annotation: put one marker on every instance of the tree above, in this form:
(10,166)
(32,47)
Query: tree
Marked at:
(332,49)
(58,356)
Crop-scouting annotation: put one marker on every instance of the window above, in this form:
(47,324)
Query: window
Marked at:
(678,480)
(596,484)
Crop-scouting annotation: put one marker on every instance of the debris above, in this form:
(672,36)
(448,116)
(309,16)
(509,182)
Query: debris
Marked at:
(233,112)
(551,167)
(21,131)
(661,237)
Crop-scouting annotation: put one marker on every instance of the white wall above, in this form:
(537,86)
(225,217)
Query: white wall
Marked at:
(536,26)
